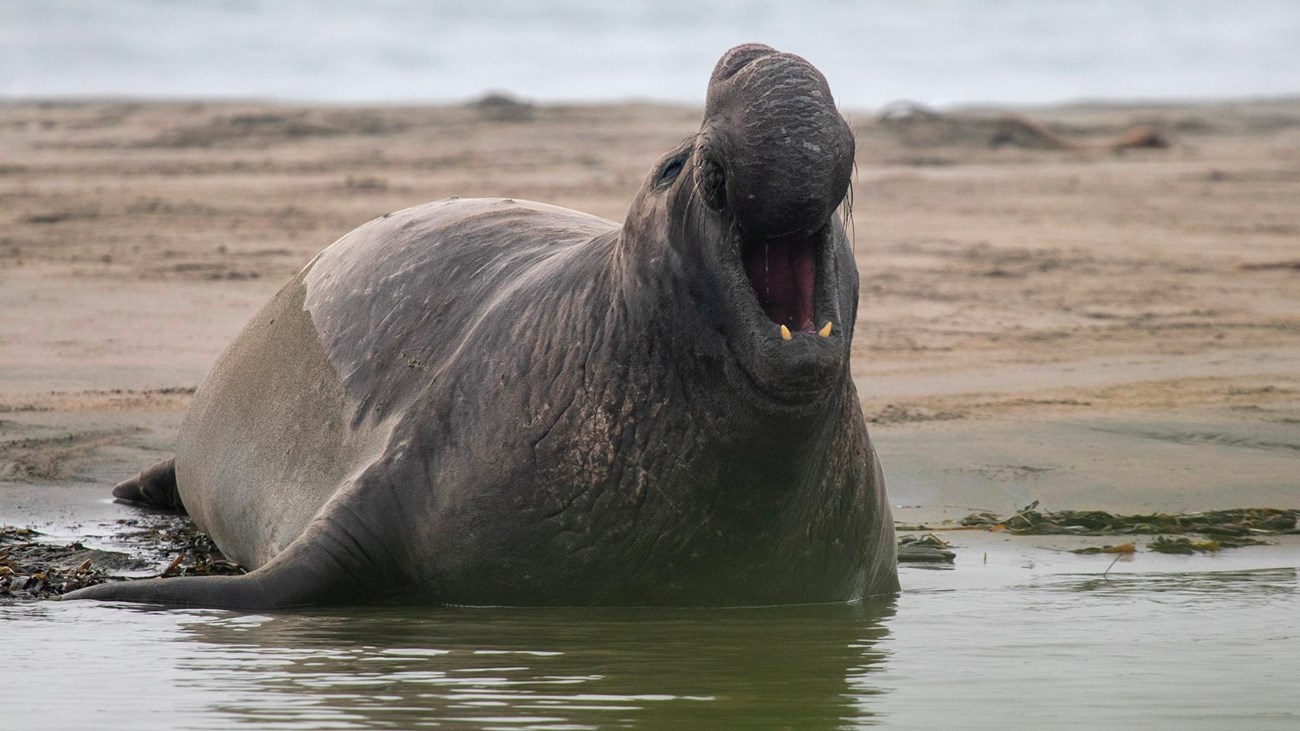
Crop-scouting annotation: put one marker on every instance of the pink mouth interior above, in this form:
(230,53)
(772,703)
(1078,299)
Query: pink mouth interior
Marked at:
(783,274)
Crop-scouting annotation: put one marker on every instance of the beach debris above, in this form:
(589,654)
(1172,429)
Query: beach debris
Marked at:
(1214,529)
(920,126)
(927,548)
(1239,522)
(12,533)
(191,552)
(32,569)
(1183,544)
(1119,549)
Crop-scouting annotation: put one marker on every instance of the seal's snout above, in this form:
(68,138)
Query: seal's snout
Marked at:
(782,151)
(738,58)
(776,158)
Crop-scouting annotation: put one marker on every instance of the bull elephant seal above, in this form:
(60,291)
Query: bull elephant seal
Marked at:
(492,402)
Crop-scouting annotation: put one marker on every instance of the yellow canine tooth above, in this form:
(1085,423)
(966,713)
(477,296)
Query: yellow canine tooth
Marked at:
(826,330)
(785,333)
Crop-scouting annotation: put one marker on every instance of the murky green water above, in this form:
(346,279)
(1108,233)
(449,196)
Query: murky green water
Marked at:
(1020,634)
(1014,637)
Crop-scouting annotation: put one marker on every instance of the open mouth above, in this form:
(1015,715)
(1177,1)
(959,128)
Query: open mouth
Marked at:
(783,273)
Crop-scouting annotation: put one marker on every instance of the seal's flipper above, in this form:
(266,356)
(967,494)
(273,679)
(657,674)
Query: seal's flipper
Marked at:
(154,486)
(312,570)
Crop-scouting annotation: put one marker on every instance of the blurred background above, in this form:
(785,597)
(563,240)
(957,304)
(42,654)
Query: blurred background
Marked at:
(936,53)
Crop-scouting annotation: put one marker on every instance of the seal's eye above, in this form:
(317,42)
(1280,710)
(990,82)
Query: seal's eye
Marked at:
(668,173)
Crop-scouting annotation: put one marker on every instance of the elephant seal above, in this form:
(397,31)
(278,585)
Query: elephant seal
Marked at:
(495,402)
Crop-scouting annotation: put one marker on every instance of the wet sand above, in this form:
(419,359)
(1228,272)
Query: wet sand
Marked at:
(1089,328)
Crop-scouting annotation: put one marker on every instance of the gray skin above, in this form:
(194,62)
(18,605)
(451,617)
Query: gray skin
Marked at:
(492,402)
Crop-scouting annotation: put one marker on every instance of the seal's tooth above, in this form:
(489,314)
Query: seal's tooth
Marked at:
(785,333)
(826,329)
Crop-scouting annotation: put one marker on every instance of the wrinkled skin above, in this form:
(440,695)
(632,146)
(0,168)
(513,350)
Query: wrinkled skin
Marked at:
(506,403)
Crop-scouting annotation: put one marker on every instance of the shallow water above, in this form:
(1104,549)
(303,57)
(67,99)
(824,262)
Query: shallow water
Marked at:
(1016,636)
(1019,634)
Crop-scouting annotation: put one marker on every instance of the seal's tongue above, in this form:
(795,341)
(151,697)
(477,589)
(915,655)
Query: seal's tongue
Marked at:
(783,274)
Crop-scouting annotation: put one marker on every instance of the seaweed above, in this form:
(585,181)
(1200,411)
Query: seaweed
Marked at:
(928,548)
(193,552)
(1119,549)
(30,569)
(1183,544)
(1230,523)
(1215,529)
(33,569)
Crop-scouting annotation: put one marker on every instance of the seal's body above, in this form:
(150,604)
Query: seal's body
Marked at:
(500,402)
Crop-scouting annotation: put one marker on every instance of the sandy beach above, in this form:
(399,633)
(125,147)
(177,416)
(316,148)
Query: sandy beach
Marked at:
(1086,327)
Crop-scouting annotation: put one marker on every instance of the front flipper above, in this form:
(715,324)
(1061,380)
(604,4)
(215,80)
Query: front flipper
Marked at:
(327,564)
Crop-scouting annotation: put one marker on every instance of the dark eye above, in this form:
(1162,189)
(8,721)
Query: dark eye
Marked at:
(670,170)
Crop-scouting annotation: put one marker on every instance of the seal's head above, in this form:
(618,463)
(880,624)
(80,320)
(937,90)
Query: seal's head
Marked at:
(752,236)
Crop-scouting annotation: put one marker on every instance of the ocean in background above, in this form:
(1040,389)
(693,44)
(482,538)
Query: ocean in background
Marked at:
(410,51)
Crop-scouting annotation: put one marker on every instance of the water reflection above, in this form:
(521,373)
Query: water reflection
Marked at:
(800,667)
(1252,586)
(1175,649)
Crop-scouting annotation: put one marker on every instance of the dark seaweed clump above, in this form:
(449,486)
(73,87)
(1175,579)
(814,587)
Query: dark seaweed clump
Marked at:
(1217,529)
(33,569)
(1237,523)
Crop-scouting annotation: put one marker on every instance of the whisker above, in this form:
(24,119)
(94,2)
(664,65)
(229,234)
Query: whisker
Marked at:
(846,209)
